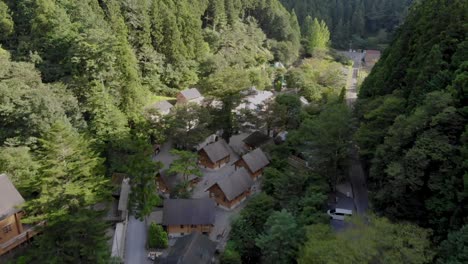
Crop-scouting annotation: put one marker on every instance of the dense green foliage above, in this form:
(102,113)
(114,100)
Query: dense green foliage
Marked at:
(157,237)
(318,78)
(374,240)
(455,248)
(70,181)
(316,34)
(363,23)
(413,112)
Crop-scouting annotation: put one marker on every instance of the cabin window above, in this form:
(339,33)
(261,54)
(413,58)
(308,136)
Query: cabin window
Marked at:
(7,229)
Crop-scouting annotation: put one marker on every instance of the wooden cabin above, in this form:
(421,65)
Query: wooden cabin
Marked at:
(12,232)
(190,96)
(214,155)
(256,140)
(184,216)
(195,248)
(254,161)
(231,190)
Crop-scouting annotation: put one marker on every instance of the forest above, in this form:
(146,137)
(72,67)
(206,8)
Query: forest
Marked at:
(77,78)
(354,24)
(413,124)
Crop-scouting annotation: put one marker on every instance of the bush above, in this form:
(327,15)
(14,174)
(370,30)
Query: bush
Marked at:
(157,237)
(230,256)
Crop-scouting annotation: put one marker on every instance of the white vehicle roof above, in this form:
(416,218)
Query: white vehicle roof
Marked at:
(343,211)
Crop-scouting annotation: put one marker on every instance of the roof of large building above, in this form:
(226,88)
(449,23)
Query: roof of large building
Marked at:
(173,179)
(188,212)
(217,151)
(192,249)
(255,100)
(234,184)
(191,94)
(10,198)
(372,56)
(256,160)
(256,139)
(163,105)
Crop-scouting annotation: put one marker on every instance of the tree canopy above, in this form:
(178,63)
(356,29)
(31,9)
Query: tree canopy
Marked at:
(412,109)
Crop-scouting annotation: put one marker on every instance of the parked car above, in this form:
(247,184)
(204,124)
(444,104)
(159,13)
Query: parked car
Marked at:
(339,214)
(153,255)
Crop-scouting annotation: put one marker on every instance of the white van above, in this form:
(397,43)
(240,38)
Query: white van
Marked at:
(339,214)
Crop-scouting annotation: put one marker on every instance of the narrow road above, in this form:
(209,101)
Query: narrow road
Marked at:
(135,251)
(358,182)
(356,173)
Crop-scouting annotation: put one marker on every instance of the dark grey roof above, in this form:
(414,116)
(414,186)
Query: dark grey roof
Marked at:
(172,180)
(235,184)
(256,160)
(189,212)
(192,249)
(217,151)
(191,94)
(163,105)
(256,139)
(10,198)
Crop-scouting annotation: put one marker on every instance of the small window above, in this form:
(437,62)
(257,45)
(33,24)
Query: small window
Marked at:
(194,226)
(181,226)
(7,229)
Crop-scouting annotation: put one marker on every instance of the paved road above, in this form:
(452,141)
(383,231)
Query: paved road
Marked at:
(358,181)
(135,251)
(356,173)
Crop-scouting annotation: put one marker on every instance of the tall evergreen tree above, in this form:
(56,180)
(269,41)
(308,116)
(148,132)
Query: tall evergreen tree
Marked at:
(319,37)
(71,182)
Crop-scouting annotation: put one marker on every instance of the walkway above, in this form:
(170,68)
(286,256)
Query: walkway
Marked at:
(135,250)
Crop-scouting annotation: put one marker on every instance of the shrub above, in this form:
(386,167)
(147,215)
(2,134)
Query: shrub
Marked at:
(157,237)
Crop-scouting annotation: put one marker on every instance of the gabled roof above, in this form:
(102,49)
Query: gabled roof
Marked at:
(235,184)
(191,94)
(217,151)
(172,180)
(192,249)
(188,212)
(256,160)
(10,198)
(163,105)
(256,139)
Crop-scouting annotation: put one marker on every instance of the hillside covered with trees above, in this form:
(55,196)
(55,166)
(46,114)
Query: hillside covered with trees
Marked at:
(413,124)
(359,23)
